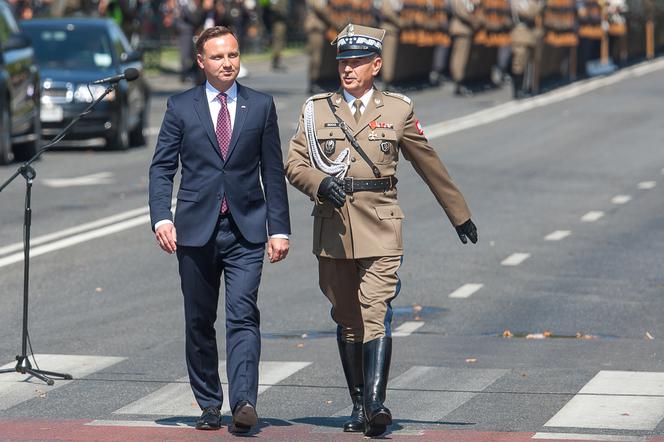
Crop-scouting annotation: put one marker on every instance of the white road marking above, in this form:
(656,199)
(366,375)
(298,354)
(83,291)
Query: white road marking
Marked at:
(77,229)
(103,227)
(177,399)
(76,239)
(94,179)
(580,436)
(407,328)
(557,235)
(615,400)
(592,216)
(510,108)
(647,185)
(621,199)
(465,290)
(515,259)
(16,387)
(437,391)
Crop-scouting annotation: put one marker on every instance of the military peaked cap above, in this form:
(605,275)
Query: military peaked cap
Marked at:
(356,41)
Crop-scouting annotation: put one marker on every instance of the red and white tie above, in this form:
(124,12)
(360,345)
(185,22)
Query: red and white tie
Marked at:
(223,133)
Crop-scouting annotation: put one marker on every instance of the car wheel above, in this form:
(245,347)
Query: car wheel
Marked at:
(6,153)
(119,139)
(25,151)
(137,135)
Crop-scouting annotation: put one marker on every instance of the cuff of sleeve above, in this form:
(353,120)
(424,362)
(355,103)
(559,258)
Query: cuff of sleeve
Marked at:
(279,235)
(162,222)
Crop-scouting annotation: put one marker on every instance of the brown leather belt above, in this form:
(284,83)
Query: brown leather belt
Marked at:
(379,184)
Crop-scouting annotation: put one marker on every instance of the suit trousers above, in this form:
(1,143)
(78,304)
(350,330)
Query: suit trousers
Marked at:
(360,291)
(241,263)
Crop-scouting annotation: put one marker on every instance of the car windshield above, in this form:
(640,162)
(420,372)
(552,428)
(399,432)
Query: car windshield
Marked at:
(71,47)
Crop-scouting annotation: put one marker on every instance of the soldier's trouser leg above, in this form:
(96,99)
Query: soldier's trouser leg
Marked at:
(360,292)
(459,58)
(315,45)
(520,55)
(278,41)
(389,56)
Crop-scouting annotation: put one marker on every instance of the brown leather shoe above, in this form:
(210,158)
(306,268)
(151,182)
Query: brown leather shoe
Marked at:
(244,417)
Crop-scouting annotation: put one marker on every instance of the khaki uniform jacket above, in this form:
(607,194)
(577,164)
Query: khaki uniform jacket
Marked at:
(465,19)
(369,223)
(525,33)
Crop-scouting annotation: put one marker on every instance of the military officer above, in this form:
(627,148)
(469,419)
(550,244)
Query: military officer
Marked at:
(344,156)
(465,21)
(526,40)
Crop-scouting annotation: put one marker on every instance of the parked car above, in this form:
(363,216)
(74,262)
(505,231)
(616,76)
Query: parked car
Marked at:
(19,92)
(73,52)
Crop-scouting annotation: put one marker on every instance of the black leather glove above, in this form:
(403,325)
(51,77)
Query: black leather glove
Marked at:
(332,189)
(469,230)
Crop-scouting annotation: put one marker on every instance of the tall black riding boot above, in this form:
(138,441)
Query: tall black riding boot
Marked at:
(377,356)
(517,86)
(351,360)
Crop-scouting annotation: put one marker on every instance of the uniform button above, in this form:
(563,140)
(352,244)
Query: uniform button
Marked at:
(353,159)
(391,213)
(351,199)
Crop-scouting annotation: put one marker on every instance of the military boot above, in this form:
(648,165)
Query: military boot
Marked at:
(377,356)
(351,361)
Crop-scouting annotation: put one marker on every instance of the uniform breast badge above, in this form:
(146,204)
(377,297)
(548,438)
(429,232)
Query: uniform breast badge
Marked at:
(329,147)
(385,146)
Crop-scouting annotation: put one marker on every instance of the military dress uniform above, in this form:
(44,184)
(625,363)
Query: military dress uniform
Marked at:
(526,41)
(359,245)
(465,21)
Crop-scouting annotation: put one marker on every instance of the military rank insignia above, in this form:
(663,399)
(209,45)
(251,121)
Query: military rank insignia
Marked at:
(329,147)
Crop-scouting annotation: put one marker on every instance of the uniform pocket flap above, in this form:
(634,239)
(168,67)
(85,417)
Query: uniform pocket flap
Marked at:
(386,134)
(323,211)
(391,211)
(330,133)
(188,195)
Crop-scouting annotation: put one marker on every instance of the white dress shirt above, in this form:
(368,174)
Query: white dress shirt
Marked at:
(214,104)
(364,98)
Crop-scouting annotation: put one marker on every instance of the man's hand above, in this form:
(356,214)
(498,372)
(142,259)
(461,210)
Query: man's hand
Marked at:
(166,237)
(469,230)
(332,189)
(277,249)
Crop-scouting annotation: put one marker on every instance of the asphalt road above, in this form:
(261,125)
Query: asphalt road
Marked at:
(545,337)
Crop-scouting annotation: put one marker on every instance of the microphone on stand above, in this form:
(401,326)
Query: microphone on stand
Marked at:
(130,74)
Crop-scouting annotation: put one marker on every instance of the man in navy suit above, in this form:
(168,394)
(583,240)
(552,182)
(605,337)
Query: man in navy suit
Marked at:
(226,138)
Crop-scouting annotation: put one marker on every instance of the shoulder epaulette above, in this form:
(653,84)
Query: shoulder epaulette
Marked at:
(319,96)
(399,96)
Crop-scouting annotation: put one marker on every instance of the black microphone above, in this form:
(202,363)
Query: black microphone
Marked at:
(130,74)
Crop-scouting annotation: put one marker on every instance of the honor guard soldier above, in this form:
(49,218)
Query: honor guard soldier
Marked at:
(344,156)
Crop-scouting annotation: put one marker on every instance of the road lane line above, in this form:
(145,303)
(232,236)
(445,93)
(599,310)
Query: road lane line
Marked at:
(76,239)
(647,185)
(77,229)
(581,436)
(16,388)
(94,179)
(515,259)
(621,199)
(511,108)
(465,290)
(557,235)
(615,400)
(177,399)
(407,328)
(592,216)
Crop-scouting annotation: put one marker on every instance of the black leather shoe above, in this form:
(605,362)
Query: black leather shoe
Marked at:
(244,417)
(209,420)
(377,358)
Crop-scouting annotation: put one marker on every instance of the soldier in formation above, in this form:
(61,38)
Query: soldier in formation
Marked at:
(344,156)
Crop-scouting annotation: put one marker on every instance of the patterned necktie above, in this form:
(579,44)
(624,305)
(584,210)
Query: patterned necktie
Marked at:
(357,114)
(223,133)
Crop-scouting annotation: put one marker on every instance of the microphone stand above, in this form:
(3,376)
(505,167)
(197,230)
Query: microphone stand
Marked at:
(23,364)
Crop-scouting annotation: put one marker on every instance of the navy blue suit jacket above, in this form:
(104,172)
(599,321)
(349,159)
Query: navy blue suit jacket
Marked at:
(187,136)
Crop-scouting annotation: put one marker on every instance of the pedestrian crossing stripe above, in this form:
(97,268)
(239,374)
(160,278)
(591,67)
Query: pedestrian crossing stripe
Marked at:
(453,388)
(177,399)
(16,388)
(615,400)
